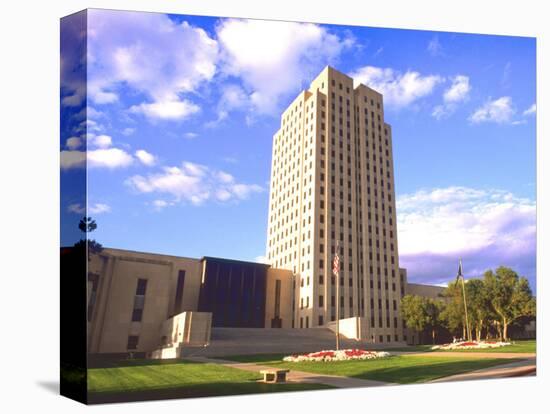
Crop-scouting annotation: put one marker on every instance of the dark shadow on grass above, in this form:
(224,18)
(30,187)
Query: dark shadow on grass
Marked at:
(200,390)
(110,363)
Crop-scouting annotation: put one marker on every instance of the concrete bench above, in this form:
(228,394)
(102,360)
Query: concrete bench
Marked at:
(274,375)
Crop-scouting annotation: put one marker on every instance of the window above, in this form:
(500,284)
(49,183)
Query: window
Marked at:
(132,342)
(139,300)
(321,301)
(179,291)
(320,320)
(141,287)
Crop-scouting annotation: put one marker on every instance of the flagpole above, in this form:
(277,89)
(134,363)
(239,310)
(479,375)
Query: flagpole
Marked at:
(468,333)
(336,271)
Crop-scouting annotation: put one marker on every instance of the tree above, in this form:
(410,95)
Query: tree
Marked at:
(453,312)
(432,310)
(479,306)
(413,312)
(421,313)
(509,295)
(88,225)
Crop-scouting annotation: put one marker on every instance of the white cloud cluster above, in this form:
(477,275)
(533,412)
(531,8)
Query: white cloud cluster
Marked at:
(532,110)
(457,93)
(95,208)
(399,89)
(153,55)
(100,154)
(145,157)
(500,111)
(110,158)
(192,183)
(459,89)
(274,59)
(489,227)
(72,62)
(70,159)
(170,109)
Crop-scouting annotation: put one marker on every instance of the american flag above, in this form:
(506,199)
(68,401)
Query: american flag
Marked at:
(336,264)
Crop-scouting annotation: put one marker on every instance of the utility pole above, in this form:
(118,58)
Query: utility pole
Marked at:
(336,272)
(461,276)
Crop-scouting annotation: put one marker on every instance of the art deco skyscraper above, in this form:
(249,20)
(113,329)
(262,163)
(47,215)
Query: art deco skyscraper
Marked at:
(332,183)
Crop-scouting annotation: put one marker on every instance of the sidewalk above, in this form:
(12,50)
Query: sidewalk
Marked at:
(297,376)
(526,367)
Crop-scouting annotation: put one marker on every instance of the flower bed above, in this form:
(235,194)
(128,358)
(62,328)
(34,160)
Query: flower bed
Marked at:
(471,345)
(340,355)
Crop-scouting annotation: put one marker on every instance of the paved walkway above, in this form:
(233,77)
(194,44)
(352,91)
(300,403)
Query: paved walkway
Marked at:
(526,367)
(465,354)
(297,376)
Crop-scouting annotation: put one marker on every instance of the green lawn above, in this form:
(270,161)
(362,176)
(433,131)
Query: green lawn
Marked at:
(177,379)
(523,346)
(402,369)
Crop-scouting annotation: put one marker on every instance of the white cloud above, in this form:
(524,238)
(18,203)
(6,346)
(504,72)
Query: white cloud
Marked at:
(145,157)
(232,97)
(161,204)
(274,59)
(190,135)
(151,54)
(399,89)
(76,208)
(489,227)
(193,183)
(434,47)
(499,111)
(456,93)
(456,219)
(100,141)
(72,159)
(128,131)
(110,158)
(72,62)
(96,208)
(459,90)
(73,143)
(531,110)
(440,112)
(166,110)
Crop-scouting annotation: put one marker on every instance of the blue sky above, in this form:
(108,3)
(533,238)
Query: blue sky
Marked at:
(182,110)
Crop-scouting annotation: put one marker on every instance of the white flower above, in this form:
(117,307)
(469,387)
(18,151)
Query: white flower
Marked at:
(340,355)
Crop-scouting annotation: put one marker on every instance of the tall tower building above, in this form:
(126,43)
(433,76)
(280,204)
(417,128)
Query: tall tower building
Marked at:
(332,183)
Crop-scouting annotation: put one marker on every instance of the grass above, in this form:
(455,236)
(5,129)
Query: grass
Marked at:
(137,380)
(401,369)
(522,346)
